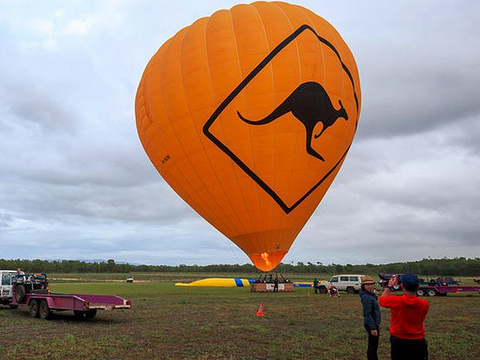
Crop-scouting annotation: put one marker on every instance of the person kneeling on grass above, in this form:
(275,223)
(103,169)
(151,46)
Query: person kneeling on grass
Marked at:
(332,291)
(408,313)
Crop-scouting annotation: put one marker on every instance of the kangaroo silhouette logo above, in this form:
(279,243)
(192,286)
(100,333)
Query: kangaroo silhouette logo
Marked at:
(287,162)
(310,104)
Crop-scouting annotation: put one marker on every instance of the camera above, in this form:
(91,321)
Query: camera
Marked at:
(385,278)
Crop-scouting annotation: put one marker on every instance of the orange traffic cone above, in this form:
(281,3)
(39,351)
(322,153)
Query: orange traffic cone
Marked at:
(260,310)
(308,293)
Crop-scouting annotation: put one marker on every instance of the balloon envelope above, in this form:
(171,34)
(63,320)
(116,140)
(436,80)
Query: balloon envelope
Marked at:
(248,115)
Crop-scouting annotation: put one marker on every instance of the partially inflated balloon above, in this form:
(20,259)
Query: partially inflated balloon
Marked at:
(248,115)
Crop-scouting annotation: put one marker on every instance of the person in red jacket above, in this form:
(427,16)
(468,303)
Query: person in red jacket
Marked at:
(408,312)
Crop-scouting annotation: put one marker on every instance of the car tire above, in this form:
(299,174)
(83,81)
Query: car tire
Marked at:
(90,314)
(350,290)
(44,311)
(420,292)
(432,292)
(34,308)
(79,314)
(20,293)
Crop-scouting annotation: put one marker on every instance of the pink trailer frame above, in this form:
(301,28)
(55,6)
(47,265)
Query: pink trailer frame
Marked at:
(80,304)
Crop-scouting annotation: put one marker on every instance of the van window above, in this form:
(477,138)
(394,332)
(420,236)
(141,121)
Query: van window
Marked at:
(6,279)
(334,279)
(343,278)
(353,278)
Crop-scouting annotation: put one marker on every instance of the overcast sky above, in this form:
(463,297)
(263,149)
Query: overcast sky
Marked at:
(75,182)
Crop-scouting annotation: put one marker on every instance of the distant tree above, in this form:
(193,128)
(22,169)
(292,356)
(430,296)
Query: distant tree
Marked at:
(428,267)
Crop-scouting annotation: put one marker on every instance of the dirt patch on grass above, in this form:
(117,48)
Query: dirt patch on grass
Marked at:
(65,279)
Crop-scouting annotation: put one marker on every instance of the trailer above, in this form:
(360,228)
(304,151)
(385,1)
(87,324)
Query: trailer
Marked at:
(432,288)
(443,290)
(31,290)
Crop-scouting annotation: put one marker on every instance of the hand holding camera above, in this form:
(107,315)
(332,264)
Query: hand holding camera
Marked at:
(394,282)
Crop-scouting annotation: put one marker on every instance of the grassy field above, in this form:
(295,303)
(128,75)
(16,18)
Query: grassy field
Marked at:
(169,322)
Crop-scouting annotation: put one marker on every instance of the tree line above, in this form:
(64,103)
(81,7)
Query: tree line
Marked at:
(459,266)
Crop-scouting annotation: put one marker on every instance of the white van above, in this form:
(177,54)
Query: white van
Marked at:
(6,280)
(347,282)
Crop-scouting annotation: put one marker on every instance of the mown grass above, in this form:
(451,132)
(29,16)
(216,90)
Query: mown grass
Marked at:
(169,322)
(166,277)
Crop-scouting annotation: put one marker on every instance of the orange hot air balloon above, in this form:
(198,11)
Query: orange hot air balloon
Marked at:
(248,115)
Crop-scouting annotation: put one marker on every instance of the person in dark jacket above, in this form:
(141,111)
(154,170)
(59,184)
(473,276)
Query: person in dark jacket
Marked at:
(371,315)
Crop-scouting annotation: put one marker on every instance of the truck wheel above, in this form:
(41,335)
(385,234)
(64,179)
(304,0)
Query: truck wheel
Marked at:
(90,313)
(79,314)
(350,290)
(420,292)
(20,293)
(44,310)
(432,292)
(34,308)
(322,290)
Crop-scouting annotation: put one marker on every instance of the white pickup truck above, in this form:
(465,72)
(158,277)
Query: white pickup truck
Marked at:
(6,292)
(347,282)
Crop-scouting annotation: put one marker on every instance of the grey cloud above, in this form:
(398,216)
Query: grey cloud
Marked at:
(35,108)
(419,101)
(76,183)
(154,203)
(419,71)
(5,220)
(466,135)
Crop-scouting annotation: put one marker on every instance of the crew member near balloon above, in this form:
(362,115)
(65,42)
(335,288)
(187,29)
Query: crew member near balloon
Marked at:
(371,316)
(408,313)
(275,285)
(315,285)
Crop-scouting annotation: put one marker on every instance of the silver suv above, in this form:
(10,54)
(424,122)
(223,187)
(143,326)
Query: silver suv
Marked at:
(347,282)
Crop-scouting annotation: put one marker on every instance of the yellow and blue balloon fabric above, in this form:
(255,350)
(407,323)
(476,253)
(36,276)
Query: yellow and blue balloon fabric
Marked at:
(220,282)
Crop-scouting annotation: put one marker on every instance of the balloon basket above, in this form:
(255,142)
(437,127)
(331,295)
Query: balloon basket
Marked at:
(271,283)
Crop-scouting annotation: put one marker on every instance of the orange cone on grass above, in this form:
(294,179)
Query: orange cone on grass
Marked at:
(260,310)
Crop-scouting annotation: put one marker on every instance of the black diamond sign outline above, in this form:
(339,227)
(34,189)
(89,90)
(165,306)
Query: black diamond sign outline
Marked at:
(206,128)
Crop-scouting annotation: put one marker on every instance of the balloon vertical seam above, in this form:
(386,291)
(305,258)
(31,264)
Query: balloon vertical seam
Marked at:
(162,90)
(143,105)
(234,37)
(182,82)
(300,73)
(277,223)
(262,223)
(276,218)
(242,225)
